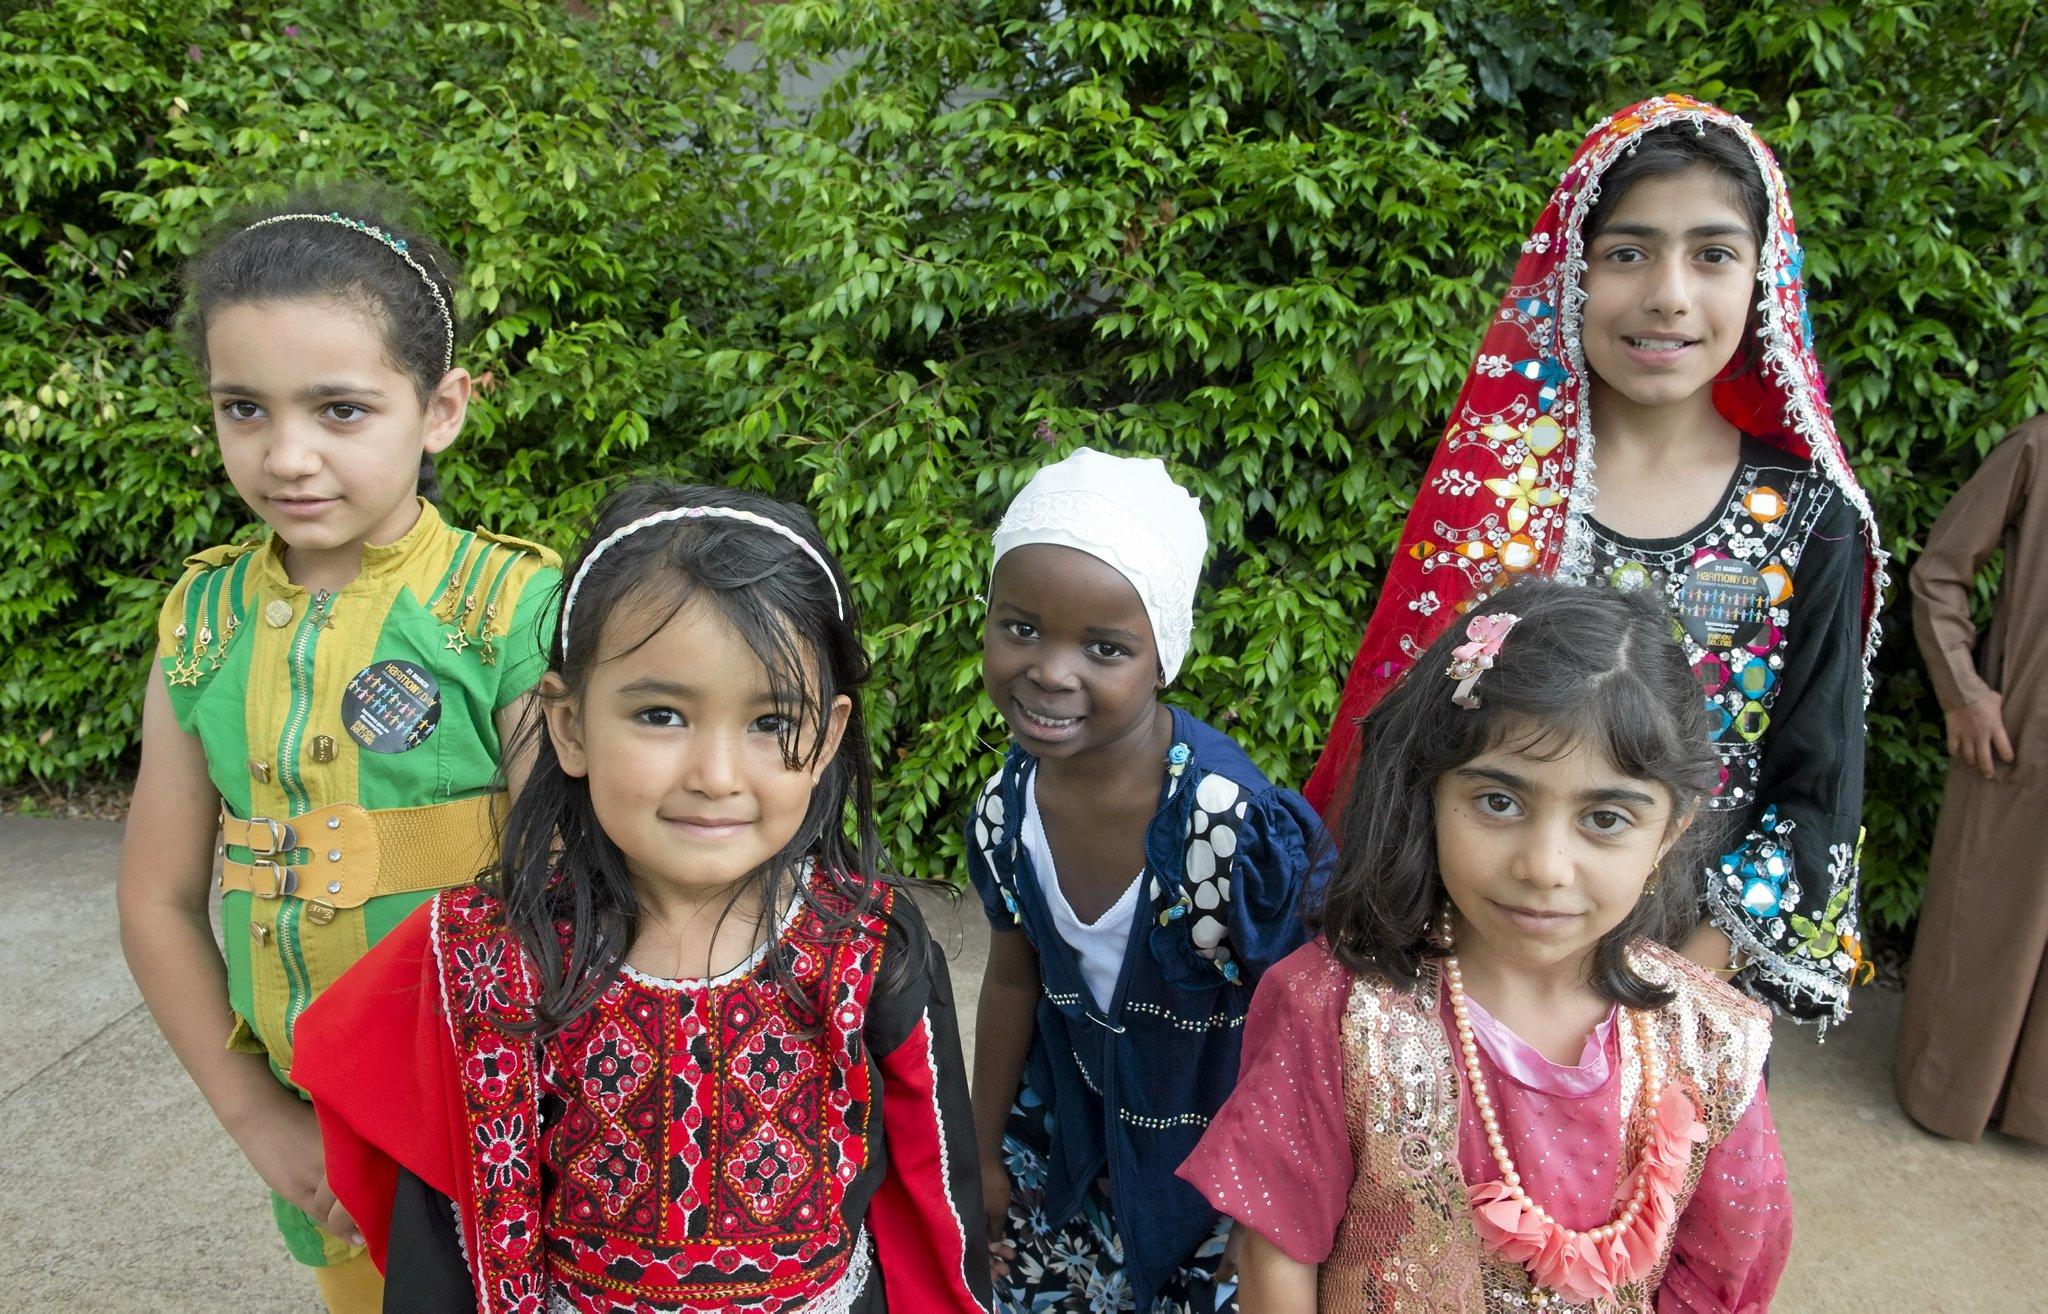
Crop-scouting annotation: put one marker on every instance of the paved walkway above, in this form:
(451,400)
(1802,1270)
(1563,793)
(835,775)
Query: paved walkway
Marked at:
(118,1191)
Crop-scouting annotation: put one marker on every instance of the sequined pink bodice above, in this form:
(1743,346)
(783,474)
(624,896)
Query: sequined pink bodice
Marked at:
(1281,1157)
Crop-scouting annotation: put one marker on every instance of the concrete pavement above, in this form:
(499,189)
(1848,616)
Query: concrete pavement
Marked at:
(119,1192)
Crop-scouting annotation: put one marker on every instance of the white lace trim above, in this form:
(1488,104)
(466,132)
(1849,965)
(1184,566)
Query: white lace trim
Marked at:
(931,1062)
(688,984)
(1781,343)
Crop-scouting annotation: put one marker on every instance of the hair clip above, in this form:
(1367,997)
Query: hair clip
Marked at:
(1471,660)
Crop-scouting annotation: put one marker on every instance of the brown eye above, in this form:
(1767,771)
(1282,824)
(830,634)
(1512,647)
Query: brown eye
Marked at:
(1608,822)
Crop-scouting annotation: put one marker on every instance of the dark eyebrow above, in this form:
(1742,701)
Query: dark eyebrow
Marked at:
(653,687)
(1494,775)
(1696,231)
(318,392)
(650,687)
(1612,794)
(330,391)
(1120,636)
(1616,794)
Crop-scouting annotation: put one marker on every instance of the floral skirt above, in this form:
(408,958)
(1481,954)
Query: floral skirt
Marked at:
(1078,1266)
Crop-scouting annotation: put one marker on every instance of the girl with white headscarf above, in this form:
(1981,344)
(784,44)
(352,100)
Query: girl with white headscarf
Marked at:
(1140,873)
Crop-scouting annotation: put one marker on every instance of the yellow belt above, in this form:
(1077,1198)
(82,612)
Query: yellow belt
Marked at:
(356,854)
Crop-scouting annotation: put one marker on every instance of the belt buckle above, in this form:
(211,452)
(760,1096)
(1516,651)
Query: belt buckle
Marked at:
(283,838)
(283,880)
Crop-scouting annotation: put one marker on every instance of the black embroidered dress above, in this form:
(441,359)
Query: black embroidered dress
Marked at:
(1767,594)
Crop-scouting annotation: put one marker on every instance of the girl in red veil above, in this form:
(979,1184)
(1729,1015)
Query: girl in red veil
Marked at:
(1658,311)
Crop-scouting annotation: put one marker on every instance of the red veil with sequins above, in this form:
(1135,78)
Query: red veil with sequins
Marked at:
(1510,489)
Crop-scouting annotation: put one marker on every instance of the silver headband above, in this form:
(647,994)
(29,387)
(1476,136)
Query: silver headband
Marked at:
(693,513)
(398,246)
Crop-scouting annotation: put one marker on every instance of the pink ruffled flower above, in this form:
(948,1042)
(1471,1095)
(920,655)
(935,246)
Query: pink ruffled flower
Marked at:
(1486,634)
(1575,1263)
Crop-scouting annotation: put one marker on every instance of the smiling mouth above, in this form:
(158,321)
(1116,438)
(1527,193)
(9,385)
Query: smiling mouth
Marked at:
(1534,917)
(1661,344)
(709,826)
(1045,725)
(1049,724)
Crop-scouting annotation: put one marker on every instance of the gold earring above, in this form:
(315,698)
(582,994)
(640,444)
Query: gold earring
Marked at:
(1650,886)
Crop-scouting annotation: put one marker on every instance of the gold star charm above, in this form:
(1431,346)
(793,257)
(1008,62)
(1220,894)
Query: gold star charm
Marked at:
(184,673)
(457,640)
(489,652)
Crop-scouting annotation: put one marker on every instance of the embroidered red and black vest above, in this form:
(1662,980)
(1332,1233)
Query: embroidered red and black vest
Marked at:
(1407,1242)
(683,1143)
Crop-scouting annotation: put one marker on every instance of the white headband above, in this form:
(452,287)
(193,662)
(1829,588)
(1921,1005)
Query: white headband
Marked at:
(692,513)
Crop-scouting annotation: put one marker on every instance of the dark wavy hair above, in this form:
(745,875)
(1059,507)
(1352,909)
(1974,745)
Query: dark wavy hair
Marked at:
(1586,664)
(1674,148)
(282,262)
(558,868)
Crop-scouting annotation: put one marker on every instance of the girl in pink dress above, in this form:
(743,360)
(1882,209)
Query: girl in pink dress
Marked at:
(1484,1085)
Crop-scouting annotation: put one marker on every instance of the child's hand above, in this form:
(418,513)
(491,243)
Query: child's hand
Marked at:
(283,1145)
(327,1212)
(1226,1267)
(995,1207)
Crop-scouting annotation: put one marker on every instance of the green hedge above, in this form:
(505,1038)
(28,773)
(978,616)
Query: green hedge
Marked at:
(1259,240)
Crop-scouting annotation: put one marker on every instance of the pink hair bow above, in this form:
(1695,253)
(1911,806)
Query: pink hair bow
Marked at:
(1470,660)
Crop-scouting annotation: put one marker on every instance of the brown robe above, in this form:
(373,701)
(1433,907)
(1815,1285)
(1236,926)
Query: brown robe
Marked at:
(1974,1035)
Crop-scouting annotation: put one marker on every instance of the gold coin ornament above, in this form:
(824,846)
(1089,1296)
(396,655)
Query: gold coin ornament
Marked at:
(277,613)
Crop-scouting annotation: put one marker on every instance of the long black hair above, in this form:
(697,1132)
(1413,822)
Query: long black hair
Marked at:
(308,259)
(1586,664)
(1674,148)
(559,869)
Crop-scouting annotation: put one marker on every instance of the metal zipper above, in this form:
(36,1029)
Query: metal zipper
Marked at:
(298,979)
(301,706)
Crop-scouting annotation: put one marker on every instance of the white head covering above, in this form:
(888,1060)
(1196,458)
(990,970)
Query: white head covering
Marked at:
(1126,512)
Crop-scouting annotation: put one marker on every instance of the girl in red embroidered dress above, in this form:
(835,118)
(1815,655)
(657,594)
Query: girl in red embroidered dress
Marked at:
(1659,307)
(1484,1086)
(682,1049)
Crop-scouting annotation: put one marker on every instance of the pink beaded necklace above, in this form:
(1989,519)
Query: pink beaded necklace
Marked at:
(1593,1264)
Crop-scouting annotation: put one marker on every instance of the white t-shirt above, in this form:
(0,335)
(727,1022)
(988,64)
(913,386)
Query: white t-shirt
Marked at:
(1098,944)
